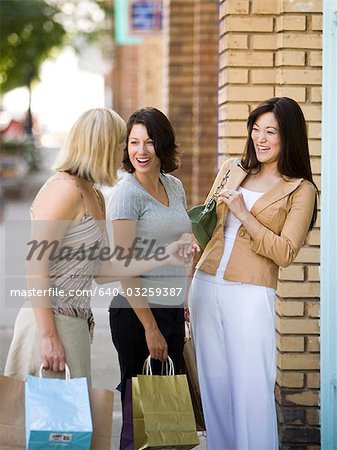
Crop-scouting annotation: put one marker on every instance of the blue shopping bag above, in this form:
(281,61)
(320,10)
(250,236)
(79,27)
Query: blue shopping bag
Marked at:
(58,413)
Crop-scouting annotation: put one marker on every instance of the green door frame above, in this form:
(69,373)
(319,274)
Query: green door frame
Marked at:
(329,231)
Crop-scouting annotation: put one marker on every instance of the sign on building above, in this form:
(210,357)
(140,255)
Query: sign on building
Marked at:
(133,19)
(145,16)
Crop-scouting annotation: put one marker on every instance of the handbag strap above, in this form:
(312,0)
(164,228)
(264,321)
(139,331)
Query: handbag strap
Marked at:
(218,189)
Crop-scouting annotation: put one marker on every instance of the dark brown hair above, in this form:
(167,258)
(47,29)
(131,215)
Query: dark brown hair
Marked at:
(162,134)
(294,160)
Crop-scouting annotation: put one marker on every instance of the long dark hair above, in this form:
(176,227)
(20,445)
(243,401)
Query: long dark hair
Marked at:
(161,132)
(294,160)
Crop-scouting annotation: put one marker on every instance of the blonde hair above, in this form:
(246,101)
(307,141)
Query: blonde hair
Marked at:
(91,149)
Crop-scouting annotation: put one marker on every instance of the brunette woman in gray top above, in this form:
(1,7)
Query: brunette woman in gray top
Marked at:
(148,206)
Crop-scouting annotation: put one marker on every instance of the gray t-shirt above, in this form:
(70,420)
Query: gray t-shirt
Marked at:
(157,226)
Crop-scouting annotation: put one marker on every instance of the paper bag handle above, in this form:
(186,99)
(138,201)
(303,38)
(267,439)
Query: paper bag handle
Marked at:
(166,366)
(66,370)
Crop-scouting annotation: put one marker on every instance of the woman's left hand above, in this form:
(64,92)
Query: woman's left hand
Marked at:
(235,202)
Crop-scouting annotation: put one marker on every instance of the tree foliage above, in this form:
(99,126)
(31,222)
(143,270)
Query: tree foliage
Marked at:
(31,29)
(29,32)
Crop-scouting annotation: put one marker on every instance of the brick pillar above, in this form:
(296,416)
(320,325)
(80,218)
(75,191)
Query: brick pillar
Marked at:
(125,85)
(150,74)
(136,79)
(192,90)
(273,48)
(204,160)
(246,74)
(298,67)
(180,81)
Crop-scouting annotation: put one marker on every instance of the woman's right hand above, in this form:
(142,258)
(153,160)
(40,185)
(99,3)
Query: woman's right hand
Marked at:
(156,344)
(180,253)
(52,353)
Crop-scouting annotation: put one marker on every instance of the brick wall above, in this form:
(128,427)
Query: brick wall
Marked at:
(151,72)
(204,160)
(136,79)
(220,59)
(124,81)
(192,76)
(273,48)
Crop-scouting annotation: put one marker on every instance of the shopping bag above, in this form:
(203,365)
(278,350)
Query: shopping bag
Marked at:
(189,367)
(57,413)
(127,440)
(162,411)
(12,415)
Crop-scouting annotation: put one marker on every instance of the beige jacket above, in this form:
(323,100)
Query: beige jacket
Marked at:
(284,213)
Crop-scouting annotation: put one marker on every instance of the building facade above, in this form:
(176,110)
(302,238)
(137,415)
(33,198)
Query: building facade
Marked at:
(264,49)
(218,60)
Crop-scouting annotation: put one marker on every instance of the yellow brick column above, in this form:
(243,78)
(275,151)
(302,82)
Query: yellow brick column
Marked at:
(273,48)
(298,62)
(247,44)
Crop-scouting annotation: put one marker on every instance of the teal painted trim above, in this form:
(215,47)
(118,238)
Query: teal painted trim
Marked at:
(329,231)
(122,24)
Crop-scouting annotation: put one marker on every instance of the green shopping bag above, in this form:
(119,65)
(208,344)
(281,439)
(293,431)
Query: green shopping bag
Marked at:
(162,411)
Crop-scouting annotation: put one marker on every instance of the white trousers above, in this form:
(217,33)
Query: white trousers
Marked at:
(233,328)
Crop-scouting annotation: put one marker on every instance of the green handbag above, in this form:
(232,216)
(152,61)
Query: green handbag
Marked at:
(203,217)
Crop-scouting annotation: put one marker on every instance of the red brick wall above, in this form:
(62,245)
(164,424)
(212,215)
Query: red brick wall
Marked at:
(192,90)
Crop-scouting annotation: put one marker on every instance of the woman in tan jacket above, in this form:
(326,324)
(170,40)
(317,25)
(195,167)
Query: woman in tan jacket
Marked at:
(264,213)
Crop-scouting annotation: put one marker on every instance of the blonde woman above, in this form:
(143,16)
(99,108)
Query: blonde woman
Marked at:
(57,328)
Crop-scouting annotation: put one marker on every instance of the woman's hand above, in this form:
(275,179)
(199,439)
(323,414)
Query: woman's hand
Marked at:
(156,343)
(235,202)
(187,315)
(52,353)
(195,248)
(180,253)
(186,250)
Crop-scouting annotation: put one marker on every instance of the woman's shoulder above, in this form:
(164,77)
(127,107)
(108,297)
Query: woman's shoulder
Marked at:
(126,199)
(59,197)
(126,189)
(307,187)
(229,162)
(172,180)
(127,183)
(58,184)
(302,190)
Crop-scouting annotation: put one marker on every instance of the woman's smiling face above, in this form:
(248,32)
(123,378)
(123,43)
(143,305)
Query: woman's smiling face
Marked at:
(141,151)
(266,138)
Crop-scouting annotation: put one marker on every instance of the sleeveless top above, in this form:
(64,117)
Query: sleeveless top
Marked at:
(73,273)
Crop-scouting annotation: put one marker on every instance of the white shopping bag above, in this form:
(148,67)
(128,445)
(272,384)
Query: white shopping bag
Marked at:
(58,413)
